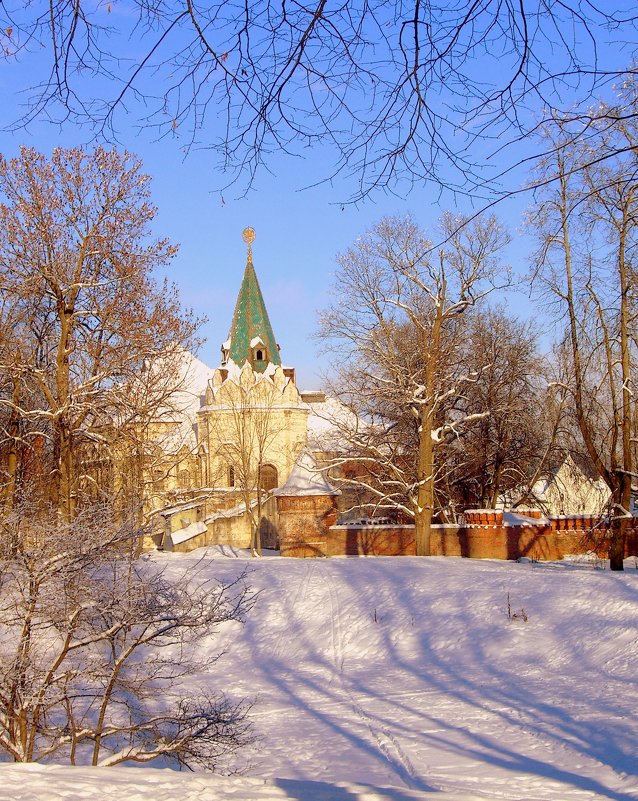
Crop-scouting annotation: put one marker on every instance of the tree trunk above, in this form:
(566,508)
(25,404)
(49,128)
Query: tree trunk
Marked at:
(425,494)
(13,432)
(425,467)
(62,429)
(65,471)
(620,520)
(619,523)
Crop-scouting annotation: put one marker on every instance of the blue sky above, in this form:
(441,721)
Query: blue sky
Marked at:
(298,232)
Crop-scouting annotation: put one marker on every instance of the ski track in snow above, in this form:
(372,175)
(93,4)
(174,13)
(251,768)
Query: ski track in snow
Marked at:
(387,744)
(297,600)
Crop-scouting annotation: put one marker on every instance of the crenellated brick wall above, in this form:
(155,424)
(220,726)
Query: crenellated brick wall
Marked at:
(487,534)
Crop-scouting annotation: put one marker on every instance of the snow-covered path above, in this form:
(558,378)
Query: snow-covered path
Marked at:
(408,673)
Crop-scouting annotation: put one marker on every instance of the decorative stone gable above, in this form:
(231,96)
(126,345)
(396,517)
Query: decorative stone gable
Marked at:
(248,415)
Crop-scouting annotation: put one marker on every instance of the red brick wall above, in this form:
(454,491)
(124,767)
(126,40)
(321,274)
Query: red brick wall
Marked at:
(303,523)
(370,541)
(307,528)
(446,540)
(490,539)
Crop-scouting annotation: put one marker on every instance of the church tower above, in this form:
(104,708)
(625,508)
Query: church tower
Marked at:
(250,469)
(250,338)
(253,423)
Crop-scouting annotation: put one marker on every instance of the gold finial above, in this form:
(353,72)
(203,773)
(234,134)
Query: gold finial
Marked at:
(248,236)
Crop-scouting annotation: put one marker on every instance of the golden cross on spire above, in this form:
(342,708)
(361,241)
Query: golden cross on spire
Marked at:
(248,236)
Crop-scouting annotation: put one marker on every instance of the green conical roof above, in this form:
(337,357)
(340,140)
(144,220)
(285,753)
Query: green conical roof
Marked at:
(250,324)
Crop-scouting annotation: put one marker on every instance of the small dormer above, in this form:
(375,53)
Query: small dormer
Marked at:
(259,353)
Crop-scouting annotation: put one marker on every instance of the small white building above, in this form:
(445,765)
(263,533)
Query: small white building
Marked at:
(571,489)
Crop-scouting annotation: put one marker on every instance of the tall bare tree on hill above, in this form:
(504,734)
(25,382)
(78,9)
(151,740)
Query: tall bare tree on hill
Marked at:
(501,452)
(588,236)
(391,293)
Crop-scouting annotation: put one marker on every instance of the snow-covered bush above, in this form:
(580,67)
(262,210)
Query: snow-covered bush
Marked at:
(95,641)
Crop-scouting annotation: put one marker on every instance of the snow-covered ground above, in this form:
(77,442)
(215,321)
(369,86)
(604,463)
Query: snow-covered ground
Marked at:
(406,675)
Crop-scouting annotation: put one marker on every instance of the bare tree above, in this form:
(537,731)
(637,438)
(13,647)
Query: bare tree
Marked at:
(78,291)
(501,452)
(400,93)
(391,294)
(587,234)
(96,644)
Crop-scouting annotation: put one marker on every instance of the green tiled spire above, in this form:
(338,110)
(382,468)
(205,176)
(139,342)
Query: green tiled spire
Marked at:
(250,323)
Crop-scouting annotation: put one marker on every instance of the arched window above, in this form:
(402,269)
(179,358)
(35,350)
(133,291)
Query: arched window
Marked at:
(231,476)
(259,356)
(269,479)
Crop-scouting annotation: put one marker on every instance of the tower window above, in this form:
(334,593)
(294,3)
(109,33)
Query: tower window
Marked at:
(268,477)
(231,476)
(259,355)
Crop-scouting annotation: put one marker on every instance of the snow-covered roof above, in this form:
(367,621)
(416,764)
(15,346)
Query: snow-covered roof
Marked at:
(326,421)
(182,407)
(183,534)
(306,479)
(234,511)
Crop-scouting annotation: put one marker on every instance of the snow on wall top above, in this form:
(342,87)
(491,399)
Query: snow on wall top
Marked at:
(188,532)
(511,518)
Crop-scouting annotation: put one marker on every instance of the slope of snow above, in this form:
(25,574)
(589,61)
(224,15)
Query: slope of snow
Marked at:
(306,479)
(407,674)
(56,783)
